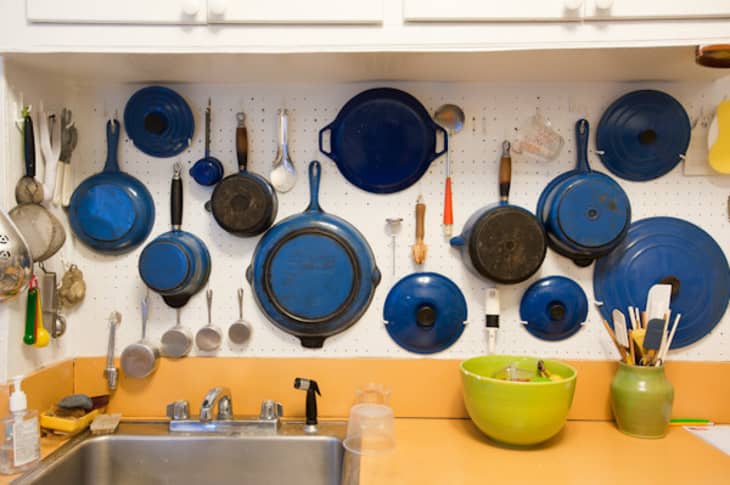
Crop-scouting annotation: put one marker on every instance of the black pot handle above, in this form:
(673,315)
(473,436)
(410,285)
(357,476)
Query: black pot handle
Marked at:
(29,146)
(581,142)
(242,143)
(176,198)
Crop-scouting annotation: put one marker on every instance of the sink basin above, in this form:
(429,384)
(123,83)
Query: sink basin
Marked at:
(147,454)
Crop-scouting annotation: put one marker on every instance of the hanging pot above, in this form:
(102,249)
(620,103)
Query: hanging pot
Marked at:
(503,243)
(313,274)
(586,214)
(177,263)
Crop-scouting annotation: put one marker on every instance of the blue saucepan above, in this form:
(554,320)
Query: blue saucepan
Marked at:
(586,214)
(177,263)
(112,211)
(313,274)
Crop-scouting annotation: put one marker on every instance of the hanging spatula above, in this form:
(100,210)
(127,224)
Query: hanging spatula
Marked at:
(619,328)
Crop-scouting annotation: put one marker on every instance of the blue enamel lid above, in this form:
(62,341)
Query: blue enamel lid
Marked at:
(164,265)
(159,121)
(642,135)
(425,313)
(673,250)
(553,308)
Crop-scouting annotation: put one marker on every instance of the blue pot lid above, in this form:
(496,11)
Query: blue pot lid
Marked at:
(425,313)
(664,247)
(164,265)
(643,134)
(594,211)
(159,121)
(553,308)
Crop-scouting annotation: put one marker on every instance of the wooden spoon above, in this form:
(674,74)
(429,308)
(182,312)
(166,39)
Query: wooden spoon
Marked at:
(419,249)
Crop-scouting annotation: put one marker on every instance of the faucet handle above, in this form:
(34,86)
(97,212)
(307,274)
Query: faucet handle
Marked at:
(225,408)
(178,410)
(271,410)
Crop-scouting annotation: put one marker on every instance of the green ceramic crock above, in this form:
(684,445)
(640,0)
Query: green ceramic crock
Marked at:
(641,400)
(516,413)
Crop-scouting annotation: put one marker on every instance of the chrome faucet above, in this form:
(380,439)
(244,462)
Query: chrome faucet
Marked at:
(221,397)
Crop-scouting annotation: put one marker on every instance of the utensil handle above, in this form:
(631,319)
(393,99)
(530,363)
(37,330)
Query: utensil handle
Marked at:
(315,170)
(283,127)
(39,323)
(112,146)
(209,304)
(448,208)
(582,129)
(68,188)
(240,303)
(29,146)
(505,172)
(30,314)
(242,148)
(207,130)
(145,305)
(176,198)
(58,185)
(420,217)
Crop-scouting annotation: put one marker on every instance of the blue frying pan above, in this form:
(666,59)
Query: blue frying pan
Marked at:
(112,211)
(313,274)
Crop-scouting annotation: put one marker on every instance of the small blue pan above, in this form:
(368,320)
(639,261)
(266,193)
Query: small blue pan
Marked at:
(111,212)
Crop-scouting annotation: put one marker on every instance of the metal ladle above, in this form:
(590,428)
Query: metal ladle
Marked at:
(450,117)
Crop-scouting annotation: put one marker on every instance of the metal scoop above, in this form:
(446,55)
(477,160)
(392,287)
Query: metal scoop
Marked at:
(240,331)
(140,359)
(209,338)
(177,341)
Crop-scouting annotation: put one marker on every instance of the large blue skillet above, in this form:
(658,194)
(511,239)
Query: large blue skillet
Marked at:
(112,211)
(313,274)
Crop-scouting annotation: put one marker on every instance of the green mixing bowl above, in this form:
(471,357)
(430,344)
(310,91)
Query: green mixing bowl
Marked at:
(516,413)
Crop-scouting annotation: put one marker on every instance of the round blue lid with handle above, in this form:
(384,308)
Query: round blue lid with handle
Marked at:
(425,313)
(159,121)
(643,135)
(553,308)
(674,251)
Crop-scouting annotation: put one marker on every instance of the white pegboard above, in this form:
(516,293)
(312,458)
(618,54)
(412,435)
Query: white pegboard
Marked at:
(493,110)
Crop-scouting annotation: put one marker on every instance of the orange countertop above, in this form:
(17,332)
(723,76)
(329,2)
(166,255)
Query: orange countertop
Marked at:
(453,451)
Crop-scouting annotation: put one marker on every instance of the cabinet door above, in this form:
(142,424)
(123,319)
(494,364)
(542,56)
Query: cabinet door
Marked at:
(296,11)
(117,11)
(491,10)
(637,9)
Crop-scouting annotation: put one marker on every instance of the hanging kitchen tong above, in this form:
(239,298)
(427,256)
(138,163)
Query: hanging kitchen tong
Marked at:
(64,179)
(50,141)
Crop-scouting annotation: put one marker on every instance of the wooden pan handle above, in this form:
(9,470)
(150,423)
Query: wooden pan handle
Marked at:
(420,216)
(505,172)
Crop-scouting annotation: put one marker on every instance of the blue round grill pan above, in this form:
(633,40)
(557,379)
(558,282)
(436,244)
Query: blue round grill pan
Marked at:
(159,121)
(643,134)
(665,247)
(553,308)
(425,313)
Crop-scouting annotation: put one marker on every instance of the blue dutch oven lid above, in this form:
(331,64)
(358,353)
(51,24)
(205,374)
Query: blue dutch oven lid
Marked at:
(164,265)
(643,134)
(425,313)
(665,249)
(553,308)
(159,121)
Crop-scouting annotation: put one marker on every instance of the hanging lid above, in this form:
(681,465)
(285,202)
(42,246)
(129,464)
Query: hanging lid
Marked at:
(666,249)
(164,265)
(159,121)
(643,134)
(553,308)
(425,313)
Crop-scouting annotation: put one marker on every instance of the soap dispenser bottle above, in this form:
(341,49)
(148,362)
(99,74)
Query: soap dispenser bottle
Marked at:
(20,434)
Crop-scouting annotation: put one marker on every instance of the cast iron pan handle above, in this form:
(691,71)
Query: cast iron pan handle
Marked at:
(440,128)
(315,170)
(581,144)
(176,198)
(242,143)
(321,143)
(505,173)
(29,146)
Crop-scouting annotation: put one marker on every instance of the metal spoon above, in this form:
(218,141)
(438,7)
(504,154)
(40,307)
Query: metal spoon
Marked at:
(450,117)
(177,341)
(209,338)
(240,330)
(283,176)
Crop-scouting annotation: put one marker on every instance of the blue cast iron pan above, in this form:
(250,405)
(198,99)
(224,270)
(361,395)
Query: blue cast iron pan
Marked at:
(383,140)
(313,274)
(177,263)
(111,212)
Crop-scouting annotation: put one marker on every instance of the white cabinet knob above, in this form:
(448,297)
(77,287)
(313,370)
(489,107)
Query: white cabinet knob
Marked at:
(191,7)
(573,4)
(217,7)
(604,4)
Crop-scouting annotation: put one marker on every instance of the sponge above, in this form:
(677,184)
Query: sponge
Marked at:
(76,401)
(718,139)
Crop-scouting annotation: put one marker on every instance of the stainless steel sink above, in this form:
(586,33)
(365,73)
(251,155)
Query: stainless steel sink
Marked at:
(148,453)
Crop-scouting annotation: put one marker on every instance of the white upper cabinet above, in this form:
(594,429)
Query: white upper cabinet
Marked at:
(492,10)
(296,11)
(117,11)
(658,9)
